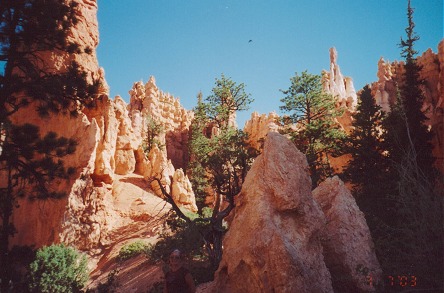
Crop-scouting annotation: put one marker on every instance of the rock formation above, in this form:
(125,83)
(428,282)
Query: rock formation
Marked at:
(337,85)
(342,88)
(259,125)
(47,217)
(273,244)
(432,72)
(283,238)
(166,158)
(109,140)
(148,102)
(348,246)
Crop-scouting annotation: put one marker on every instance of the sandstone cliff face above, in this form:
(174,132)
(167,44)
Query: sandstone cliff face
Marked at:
(273,244)
(167,158)
(95,211)
(390,77)
(47,217)
(348,246)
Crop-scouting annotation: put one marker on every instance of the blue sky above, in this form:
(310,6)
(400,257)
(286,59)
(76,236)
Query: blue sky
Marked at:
(186,44)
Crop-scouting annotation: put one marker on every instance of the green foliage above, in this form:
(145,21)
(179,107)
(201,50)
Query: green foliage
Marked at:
(154,129)
(227,97)
(368,162)
(133,249)
(58,268)
(414,132)
(224,158)
(198,148)
(395,181)
(178,234)
(313,112)
(220,157)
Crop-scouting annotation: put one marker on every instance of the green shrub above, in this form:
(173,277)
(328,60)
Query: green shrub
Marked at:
(188,239)
(131,250)
(58,268)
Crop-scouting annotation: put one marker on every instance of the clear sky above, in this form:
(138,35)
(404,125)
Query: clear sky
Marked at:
(186,44)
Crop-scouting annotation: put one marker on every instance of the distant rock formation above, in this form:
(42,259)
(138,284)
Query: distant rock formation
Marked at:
(432,72)
(336,84)
(284,239)
(259,125)
(148,102)
(348,246)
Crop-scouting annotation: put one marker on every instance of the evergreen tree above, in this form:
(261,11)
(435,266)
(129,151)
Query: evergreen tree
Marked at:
(415,134)
(223,153)
(368,164)
(58,268)
(413,240)
(220,158)
(313,112)
(198,148)
(153,130)
(227,97)
(29,29)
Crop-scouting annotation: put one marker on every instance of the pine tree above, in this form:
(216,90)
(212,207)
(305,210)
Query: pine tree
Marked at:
(313,112)
(368,164)
(416,133)
(220,158)
(413,242)
(198,149)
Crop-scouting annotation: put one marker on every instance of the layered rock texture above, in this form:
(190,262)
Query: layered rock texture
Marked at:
(432,72)
(282,240)
(148,102)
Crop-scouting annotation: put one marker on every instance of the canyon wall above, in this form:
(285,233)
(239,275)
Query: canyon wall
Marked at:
(47,216)
(109,155)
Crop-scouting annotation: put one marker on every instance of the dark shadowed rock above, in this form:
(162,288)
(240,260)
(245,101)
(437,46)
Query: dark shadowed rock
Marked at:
(348,246)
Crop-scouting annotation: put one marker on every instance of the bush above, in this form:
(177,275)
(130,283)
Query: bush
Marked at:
(58,268)
(188,239)
(131,250)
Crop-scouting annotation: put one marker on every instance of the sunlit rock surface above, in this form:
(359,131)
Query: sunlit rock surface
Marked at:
(273,244)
